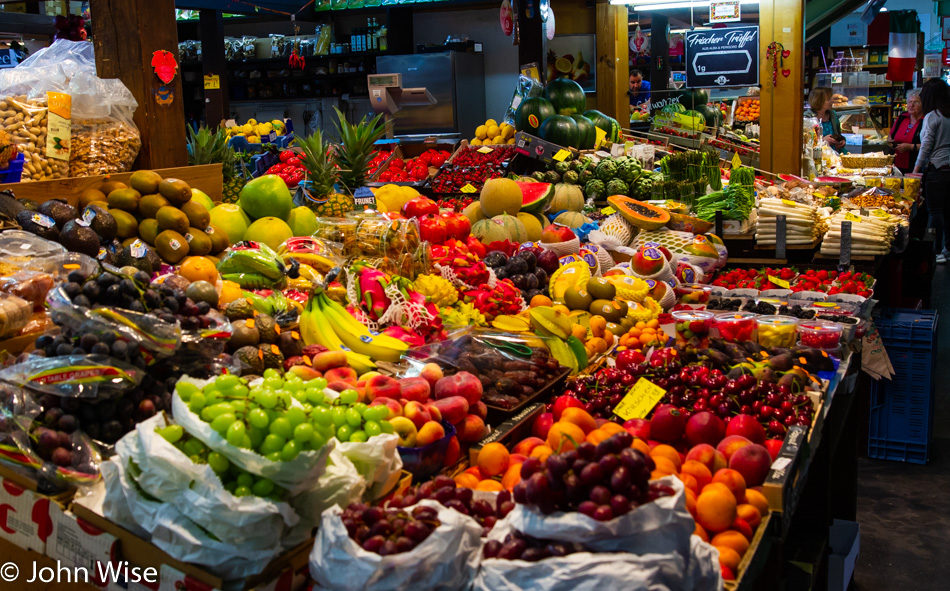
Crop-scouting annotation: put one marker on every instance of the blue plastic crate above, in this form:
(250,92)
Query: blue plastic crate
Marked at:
(14,170)
(901,418)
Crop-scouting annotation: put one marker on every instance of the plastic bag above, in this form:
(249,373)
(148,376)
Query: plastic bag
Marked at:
(377,461)
(104,139)
(447,559)
(32,286)
(77,376)
(662,526)
(526,88)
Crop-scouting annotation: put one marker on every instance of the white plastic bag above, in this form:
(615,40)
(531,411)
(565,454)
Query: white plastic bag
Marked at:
(446,560)
(702,569)
(661,527)
(377,461)
(340,485)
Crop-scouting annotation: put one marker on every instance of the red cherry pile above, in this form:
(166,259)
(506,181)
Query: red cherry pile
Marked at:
(389,531)
(413,169)
(289,169)
(444,490)
(471,167)
(601,481)
(518,546)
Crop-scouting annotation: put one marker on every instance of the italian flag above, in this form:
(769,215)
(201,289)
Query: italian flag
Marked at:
(902,45)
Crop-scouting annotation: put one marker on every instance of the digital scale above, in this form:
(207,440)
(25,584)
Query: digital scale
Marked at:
(387,96)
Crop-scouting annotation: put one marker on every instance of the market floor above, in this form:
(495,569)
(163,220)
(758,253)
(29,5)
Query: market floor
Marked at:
(904,509)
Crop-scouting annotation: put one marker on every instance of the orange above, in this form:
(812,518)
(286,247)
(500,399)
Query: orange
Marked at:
(733,481)
(579,417)
(731,539)
(198,269)
(512,476)
(466,480)
(564,436)
(653,323)
(689,481)
(664,466)
(641,446)
(757,500)
(697,470)
(493,459)
(598,344)
(540,300)
(691,502)
(596,436)
(728,557)
(612,428)
(577,330)
(541,452)
(742,527)
(669,452)
(715,509)
(699,531)
(749,513)
(230,291)
(597,325)
(474,471)
(490,485)
(641,325)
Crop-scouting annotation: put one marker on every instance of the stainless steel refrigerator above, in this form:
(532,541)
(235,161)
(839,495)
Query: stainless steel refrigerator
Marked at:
(456,80)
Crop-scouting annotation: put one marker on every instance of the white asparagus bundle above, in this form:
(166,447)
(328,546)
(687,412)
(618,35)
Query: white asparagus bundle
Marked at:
(870,234)
(801,222)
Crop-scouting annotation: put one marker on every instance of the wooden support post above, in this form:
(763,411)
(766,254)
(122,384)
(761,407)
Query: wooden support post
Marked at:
(125,33)
(213,63)
(782,104)
(612,61)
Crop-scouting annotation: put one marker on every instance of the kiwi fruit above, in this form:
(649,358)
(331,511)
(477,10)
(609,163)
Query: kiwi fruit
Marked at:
(219,240)
(171,246)
(172,218)
(124,199)
(126,224)
(148,230)
(150,204)
(145,181)
(176,191)
(110,186)
(198,215)
(90,195)
(199,244)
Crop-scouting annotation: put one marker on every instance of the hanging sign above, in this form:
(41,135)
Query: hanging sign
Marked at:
(165,65)
(722,57)
(505,18)
(724,11)
(212,82)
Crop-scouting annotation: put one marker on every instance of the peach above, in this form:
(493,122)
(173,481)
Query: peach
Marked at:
(432,373)
(329,360)
(382,386)
(417,413)
(395,409)
(471,429)
(707,455)
(753,462)
(461,384)
(340,374)
(453,408)
(429,432)
(452,451)
(733,480)
(730,444)
(517,458)
(579,417)
(414,389)
(526,445)
(747,426)
(304,373)
(405,429)
(542,424)
(339,385)
(364,378)
(704,427)
(562,403)
(479,409)
(435,412)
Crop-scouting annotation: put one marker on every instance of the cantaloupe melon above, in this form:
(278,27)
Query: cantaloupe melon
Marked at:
(488,231)
(500,196)
(474,212)
(571,219)
(513,226)
(566,197)
(532,225)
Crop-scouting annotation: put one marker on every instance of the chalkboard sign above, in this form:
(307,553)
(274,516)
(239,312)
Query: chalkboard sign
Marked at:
(722,57)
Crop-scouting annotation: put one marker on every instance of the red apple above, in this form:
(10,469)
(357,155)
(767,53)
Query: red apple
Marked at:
(638,427)
(542,424)
(563,402)
(774,446)
(557,233)
(432,229)
(747,426)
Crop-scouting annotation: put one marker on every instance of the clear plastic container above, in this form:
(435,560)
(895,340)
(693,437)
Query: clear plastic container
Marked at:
(736,326)
(777,331)
(339,230)
(692,293)
(692,327)
(820,334)
(19,248)
(15,312)
(806,298)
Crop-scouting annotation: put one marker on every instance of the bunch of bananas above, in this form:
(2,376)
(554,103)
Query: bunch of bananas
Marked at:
(325,322)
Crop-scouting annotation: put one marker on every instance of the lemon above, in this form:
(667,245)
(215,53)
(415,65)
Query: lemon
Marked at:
(497,140)
(493,130)
(511,141)
(490,122)
(481,132)
(507,131)
(475,142)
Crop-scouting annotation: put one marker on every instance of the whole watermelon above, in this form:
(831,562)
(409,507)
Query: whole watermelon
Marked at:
(566,95)
(608,124)
(559,129)
(693,97)
(586,135)
(531,113)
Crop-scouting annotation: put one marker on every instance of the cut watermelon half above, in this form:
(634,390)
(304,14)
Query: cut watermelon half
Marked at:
(535,196)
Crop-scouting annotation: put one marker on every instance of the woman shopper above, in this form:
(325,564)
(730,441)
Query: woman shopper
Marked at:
(905,135)
(819,101)
(934,157)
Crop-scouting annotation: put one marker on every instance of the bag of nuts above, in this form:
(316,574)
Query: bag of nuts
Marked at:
(25,120)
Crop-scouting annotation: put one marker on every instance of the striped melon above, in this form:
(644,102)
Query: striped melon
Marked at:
(566,198)
(488,231)
(571,219)
(513,227)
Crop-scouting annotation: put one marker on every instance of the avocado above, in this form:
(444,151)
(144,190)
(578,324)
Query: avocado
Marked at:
(79,238)
(243,334)
(59,210)
(239,309)
(250,360)
(219,240)
(148,230)
(150,204)
(175,190)
(267,327)
(125,199)
(90,195)
(198,216)
(101,221)
(202,291)
(39,224)
(172,218)
(110,186)
(171,246)
(126,224)
(139,255)
(145,181)
(199,243)
(105,255)
(273,358)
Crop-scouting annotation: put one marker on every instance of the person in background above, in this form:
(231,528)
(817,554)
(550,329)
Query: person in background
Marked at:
(639,89)
(819,101)
(905,135)
(934,157)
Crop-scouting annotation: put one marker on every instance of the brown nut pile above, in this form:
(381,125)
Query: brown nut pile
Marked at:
(102,146)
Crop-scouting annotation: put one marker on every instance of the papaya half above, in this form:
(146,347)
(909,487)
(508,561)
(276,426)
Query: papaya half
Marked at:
(640,214)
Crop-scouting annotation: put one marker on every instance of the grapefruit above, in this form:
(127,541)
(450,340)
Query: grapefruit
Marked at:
(231,219)
(202,198)
(269,230)
(265,196)
(302,221)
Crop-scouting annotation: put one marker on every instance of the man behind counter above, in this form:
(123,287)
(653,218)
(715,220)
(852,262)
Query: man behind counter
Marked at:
(639,89)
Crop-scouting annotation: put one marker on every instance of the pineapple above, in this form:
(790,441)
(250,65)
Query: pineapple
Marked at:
(356,148)
(322,175)
(207,147)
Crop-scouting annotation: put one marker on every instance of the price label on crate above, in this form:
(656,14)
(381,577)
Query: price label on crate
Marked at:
(779,282)
(609,210)
(561,155)
(788,202)
(468,188)
(852,218)
(640,400)
(484,150)
(736,161)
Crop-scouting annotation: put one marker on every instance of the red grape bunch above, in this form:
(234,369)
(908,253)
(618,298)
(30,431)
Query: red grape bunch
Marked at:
(444,490)
(518,546)
(389,531)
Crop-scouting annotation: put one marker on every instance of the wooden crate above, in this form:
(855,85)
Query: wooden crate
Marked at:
(755,558)
(206,177)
